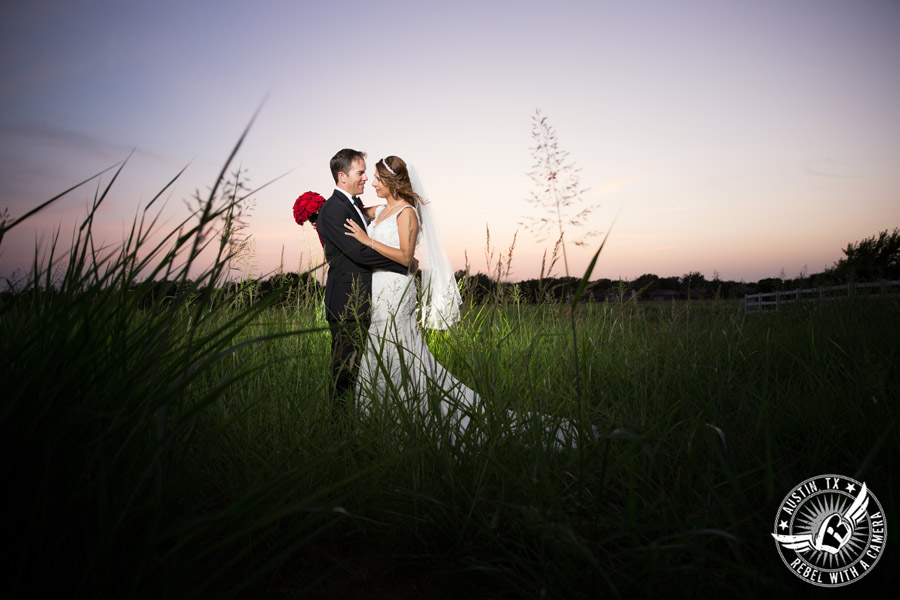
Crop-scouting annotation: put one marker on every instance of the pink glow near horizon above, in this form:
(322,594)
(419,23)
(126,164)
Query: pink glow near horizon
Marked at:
(740,139)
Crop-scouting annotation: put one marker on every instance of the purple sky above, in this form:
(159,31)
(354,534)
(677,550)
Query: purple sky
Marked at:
(735,137)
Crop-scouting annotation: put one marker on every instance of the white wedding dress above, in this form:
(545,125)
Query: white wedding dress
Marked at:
(398,366)
(397,363)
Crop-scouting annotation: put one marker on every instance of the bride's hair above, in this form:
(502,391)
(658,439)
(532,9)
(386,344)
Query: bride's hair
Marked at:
(393,173)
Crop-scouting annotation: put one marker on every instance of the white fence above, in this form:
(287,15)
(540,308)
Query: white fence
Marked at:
(773,300)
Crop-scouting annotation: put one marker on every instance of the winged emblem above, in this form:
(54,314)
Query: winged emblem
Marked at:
(834,532)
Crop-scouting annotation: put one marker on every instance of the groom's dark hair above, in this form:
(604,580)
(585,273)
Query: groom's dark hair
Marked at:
(343,160)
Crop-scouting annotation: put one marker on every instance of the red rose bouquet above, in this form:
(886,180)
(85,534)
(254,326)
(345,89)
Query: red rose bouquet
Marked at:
(306,208)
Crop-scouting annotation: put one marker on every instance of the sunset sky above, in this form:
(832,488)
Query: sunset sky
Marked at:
(741,138)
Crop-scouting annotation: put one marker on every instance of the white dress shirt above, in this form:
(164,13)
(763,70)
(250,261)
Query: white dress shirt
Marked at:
(355,207)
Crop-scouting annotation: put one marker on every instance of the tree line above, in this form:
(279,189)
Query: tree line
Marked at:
(874,258)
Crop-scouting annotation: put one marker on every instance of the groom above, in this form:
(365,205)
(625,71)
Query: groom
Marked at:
(348,287)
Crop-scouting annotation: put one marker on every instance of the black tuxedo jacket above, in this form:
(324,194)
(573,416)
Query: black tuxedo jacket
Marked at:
(350,263)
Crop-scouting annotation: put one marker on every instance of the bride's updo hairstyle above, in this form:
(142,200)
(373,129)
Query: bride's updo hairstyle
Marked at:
(393,173)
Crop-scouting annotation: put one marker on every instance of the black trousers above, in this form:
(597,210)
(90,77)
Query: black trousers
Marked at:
(347,345)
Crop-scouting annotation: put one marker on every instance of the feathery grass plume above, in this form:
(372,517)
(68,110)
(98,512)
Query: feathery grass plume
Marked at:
(499,266)
(558,200)
(240,204)
(543,289)
(489,252)
(505,270)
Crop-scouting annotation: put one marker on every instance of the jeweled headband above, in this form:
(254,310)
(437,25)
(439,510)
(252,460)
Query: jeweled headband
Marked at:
(384,162)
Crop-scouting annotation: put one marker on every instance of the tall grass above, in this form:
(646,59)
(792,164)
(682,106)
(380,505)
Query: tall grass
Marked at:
(708,418)
(105,441)
(186,447)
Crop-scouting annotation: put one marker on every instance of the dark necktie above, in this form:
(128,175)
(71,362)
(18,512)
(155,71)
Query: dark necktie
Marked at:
(359,205)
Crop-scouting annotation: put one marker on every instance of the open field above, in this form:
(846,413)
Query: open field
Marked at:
(146,452)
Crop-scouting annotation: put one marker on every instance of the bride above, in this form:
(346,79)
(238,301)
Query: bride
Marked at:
(397,359)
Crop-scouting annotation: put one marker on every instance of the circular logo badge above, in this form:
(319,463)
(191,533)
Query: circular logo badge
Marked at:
(830,530)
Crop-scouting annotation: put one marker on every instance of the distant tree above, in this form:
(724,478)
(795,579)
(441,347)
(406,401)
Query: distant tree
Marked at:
(645,284)
(825,278)
(563,288)
(769,285)
(729,289)
(876,257)
(692,281)
(669,283)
